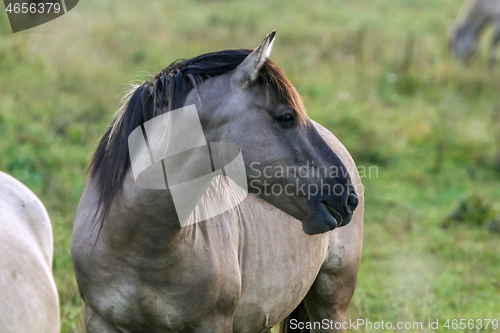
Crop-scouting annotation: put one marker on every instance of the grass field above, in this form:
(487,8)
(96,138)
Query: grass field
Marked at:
(375,72)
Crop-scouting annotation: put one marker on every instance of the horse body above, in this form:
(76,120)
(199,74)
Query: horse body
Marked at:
(29,301)
(465,35)
(242,271)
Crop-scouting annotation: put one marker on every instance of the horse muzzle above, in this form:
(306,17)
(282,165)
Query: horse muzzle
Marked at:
(342,214)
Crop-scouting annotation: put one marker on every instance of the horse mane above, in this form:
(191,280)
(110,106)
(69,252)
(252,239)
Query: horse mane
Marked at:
(167,91)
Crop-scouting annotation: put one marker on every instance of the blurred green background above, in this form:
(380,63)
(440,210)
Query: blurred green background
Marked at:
(377,73)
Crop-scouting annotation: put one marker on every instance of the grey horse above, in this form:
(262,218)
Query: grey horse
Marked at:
(274,258)
(28,301)
(467,31)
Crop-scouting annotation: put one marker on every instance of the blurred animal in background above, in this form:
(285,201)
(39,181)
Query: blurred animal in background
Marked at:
(28,294)
(469,28)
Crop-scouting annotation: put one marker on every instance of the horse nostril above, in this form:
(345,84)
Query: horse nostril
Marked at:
(352,201)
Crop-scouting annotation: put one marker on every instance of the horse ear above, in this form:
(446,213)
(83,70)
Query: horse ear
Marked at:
(246,73)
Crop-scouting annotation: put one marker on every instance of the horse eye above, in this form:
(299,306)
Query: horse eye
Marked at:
(287,120)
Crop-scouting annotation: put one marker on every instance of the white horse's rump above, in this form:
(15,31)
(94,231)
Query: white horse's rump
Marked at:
(28,295)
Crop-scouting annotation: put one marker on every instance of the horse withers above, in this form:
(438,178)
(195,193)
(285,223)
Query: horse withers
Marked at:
(274,257)
(466,33)
(28,294)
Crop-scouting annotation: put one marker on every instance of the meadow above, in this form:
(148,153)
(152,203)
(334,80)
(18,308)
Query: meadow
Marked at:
(377,73)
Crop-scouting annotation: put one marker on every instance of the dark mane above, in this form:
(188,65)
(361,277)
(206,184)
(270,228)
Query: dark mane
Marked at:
(167,91)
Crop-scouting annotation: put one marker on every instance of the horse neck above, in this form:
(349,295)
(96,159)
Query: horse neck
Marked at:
(477,17)
(144,215)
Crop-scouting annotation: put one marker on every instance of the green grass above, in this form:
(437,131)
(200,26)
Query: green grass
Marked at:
(375,72)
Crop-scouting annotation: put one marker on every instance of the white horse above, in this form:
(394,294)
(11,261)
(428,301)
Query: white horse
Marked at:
(246,270)
(467,31)
(28,294)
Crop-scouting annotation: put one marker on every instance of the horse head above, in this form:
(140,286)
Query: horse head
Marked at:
(287,161)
